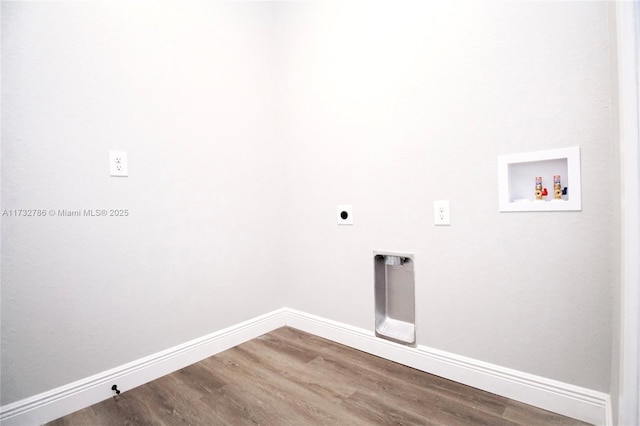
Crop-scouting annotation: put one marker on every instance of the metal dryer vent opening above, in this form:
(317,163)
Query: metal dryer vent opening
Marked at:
(393,260)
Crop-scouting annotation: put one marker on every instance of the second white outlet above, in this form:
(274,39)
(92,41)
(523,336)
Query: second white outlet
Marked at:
(118,163)
(441,215)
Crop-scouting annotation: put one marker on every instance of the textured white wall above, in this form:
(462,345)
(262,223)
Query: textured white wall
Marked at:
(390,106)
(187,90)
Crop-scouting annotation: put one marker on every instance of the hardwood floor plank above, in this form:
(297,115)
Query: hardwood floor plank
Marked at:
(288,377)
(393,396)
(82,417)
(200,378)
(123,411)
(293,393)
(526,414)
(406,375)
(312,379)
(383,412)
(171,401)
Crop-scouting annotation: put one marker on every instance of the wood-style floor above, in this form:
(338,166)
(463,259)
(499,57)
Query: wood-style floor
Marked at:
(288,377)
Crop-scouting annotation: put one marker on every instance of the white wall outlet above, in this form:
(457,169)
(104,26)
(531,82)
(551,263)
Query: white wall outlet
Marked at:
(345,214)
(118,163)
(441,213)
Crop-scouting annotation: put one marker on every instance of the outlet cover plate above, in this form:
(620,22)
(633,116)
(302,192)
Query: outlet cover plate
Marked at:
(118,163)
(441,216)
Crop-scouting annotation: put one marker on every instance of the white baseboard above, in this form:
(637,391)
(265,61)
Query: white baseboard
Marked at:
(562,398)
(67,399)
(580,403)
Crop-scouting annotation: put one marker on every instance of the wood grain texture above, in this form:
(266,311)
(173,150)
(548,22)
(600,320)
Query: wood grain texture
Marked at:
(288,377)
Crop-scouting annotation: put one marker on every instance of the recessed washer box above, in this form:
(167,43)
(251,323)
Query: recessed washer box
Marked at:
(395,301)
(517,175)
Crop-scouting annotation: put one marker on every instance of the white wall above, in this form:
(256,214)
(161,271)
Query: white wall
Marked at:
(387,106)
(390,106)
(187,90)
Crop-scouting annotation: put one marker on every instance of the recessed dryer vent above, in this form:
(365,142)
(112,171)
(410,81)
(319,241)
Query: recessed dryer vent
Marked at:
(395,297)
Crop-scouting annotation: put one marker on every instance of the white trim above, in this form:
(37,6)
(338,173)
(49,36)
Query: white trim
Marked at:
(67,399)
(628,38)
(562,398)
(569,400)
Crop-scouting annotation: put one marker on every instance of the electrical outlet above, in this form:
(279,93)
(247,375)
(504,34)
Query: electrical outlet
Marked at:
(345,214)
(441,213)
(118,163)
